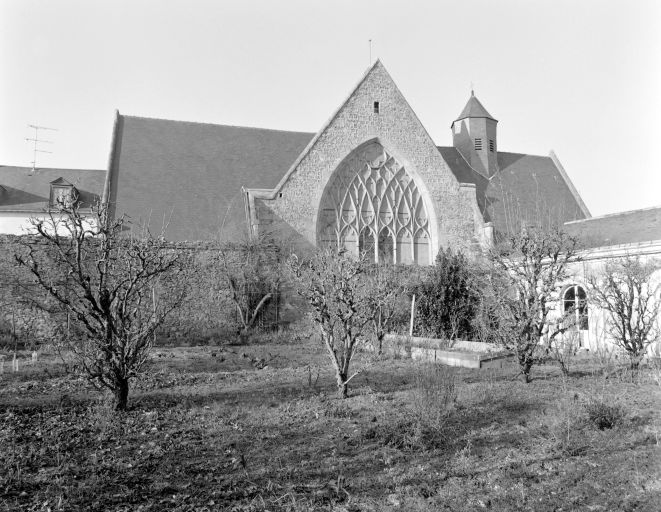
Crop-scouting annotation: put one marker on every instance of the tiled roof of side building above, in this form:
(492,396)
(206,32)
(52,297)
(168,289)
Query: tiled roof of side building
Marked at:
(526,189)
(187,177)
(25,191)
(618,228)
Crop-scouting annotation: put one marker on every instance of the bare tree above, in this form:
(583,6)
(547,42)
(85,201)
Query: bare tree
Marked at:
(384,290)
(333,284)
(252,269)
(528,270)
(108,283)
(627,291)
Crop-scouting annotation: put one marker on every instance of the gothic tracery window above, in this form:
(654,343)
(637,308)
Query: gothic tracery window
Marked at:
(373,207)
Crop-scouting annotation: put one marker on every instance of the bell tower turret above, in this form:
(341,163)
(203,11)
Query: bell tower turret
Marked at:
(474,134)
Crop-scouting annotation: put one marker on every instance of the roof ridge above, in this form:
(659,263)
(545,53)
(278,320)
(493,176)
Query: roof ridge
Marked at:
(215,124)
(616,214)
(29,168)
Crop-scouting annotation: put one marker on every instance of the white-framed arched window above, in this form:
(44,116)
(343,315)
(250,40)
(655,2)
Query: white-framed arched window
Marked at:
(575,306)
(372,207)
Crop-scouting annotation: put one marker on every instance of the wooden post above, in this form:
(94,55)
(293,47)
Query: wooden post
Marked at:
(412,315)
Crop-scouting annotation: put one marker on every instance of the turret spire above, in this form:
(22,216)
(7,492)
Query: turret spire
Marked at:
(474,135)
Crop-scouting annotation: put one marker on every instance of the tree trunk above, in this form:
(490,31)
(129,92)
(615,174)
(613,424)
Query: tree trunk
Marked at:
(342,390)
(526,366)
(342,385)
(121,395)
(634,362)
(244,336)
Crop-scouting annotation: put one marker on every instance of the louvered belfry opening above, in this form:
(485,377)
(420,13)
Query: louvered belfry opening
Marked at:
(372,207)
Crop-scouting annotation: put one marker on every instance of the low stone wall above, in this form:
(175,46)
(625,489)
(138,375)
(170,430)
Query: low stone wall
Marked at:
(467,354)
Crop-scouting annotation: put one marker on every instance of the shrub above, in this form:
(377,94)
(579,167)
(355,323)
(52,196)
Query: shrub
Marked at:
(434,393)
(447,299)
(604,415)
(432,398)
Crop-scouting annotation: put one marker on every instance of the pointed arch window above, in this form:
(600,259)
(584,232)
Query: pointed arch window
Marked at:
(373,198)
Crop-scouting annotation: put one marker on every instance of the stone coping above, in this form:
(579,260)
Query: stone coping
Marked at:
(472,348)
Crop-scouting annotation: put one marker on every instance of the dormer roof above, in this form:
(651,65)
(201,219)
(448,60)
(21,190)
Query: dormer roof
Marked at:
(474,109)
(61,182)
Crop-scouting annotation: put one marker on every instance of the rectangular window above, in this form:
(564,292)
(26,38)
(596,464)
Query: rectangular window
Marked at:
(376,107)
(478,144)
(491,146)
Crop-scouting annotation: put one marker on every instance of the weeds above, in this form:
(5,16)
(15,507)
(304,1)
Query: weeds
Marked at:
(433,396)
(604,415)
(564,349)
(434,393)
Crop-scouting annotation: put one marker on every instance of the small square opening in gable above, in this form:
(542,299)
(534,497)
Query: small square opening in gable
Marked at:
(376,107)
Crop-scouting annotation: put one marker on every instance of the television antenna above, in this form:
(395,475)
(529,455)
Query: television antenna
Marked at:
(36,140)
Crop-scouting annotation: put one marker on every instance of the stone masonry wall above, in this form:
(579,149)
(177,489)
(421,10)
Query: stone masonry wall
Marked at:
(398,129)
(206,314)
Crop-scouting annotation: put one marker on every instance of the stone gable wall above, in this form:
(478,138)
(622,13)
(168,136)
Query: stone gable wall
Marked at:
(398,129)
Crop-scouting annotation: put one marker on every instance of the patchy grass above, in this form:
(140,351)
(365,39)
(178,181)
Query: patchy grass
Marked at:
(258,428)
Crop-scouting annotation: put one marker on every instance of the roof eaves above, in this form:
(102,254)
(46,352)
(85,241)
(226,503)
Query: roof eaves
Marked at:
(214,125)
(612,215)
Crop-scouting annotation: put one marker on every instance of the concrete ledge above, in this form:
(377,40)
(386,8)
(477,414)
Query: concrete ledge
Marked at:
(436,350)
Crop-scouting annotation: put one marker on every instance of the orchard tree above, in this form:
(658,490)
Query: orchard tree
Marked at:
(334,284)
(252,270)
(108,284)
(385,295)
(527,272)
(629,292)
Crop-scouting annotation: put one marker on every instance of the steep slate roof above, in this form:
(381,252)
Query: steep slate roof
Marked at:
(618,228)
(474,109)
(188,176)
(527,188)
(30,193)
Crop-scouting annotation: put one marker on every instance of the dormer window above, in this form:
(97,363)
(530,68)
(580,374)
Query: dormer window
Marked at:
(62,194)
(478,144)
(491,146)
(376,107)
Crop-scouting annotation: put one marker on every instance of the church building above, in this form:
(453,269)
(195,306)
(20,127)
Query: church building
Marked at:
(371,180)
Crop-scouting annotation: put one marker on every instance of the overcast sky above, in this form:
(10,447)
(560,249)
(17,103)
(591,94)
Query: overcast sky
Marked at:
(581,77)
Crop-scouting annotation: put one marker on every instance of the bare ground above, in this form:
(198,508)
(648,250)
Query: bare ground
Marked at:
(258,427)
